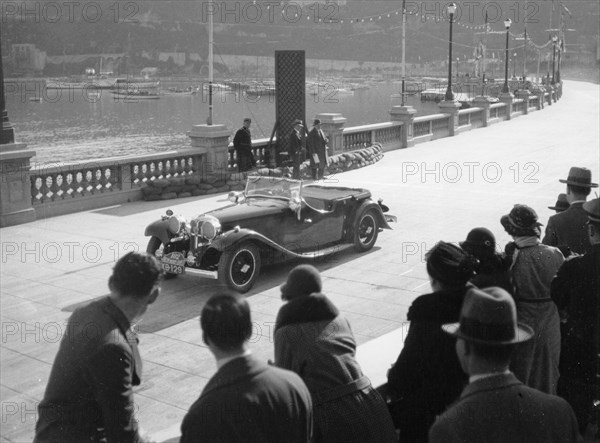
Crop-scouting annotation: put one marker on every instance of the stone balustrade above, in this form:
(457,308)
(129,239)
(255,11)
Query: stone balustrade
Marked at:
(70,187)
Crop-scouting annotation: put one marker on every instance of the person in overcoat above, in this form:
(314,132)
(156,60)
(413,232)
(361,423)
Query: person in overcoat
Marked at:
(316,145)
(576,292)
(492,269)
(533,266)
(246,400)
(496,407)
(297,151)
(242,142)
(427,376)
(89,396)
(315,341)
(568,228)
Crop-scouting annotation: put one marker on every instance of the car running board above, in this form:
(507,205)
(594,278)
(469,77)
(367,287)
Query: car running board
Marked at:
(202,272)
(325,251)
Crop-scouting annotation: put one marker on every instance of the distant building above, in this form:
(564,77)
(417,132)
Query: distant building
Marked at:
(27,58)
(149,72)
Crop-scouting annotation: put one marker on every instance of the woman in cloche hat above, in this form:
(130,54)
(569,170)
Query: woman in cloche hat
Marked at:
(314,340)
(427,376)
(533,267)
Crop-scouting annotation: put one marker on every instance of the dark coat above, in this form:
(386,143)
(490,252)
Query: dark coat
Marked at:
(427,377)
(313,340)
(494,271)
(316,143)
(569,228)
(249,401)
(92,379)
(242,142)
(502,409)
(297,152)
(535,362)
(576,292)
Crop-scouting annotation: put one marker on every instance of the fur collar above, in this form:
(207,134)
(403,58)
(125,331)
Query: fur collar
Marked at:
(311,308)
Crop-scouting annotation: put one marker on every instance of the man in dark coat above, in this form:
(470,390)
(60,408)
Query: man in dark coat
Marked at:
(576,292)
(242,142)
(296,149)
(316,144)
(89,396)
(496,406)
(568,228)
(246,400)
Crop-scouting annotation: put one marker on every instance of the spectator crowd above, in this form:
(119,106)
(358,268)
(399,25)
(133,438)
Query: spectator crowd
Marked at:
(506,348)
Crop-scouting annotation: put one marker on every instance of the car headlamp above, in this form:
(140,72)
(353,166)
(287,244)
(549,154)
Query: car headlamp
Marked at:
(210,227)
(175,224)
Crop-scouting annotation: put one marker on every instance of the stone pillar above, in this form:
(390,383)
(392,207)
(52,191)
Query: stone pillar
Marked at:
(524,94)
(214,141)
(15,185)
(483,102)
(333,127)
(507,97)
(450,107)
(406,115)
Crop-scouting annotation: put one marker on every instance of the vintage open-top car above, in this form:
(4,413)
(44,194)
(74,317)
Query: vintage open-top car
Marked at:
(273,219)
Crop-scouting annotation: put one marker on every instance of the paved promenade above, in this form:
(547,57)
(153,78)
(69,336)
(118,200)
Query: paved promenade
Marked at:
(439,190)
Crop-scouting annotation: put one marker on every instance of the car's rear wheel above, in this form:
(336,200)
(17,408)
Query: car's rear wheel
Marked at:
(239,267)
(366,231)
(154,246)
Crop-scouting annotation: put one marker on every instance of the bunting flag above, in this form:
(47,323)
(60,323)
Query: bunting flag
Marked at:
(565,10)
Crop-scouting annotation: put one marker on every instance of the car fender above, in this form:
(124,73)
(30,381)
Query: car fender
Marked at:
(159,230)
(370,204)
(236,236)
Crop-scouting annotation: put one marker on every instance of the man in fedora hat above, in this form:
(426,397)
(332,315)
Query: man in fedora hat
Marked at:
(569,227)
(316,144)
(296,149)
(495,406)
(576,292)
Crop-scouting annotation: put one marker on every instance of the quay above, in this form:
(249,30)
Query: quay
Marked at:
(439,177)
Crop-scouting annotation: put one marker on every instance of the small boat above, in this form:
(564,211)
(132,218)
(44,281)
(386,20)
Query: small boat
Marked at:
(135,95)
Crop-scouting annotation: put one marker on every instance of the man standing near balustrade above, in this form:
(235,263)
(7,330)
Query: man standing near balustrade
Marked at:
(296,150)
(316,144)
(242,142)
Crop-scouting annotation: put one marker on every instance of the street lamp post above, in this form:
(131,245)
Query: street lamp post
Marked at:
(553,58)
(558,63)
(449,94)
(505,89)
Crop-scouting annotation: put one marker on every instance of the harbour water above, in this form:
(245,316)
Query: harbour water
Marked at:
(73,125)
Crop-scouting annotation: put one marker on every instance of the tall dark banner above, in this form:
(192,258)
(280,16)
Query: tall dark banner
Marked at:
(290,102)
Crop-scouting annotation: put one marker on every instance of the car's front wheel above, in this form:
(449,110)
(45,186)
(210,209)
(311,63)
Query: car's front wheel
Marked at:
(366,231)
(239,267)
(154,246)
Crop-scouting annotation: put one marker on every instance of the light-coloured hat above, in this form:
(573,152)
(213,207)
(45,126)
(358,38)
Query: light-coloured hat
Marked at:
(489,316)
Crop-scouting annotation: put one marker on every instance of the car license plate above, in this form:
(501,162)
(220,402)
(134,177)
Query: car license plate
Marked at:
(173,263)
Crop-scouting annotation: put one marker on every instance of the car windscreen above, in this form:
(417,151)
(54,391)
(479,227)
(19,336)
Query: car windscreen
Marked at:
(259,186)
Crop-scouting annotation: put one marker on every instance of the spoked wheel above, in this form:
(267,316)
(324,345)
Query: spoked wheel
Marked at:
(366,231)
(239,267)
(155,247)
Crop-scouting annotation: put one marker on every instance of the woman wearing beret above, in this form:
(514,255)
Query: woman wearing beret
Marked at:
(315,341)
(427,376)
(533,267)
